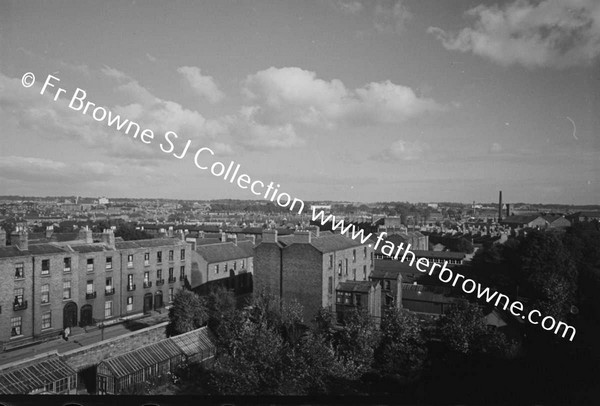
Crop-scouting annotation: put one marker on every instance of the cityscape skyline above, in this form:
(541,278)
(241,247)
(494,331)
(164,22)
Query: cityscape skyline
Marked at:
(334,100)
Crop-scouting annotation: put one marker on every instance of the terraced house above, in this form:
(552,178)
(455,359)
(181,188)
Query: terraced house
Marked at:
(47,287)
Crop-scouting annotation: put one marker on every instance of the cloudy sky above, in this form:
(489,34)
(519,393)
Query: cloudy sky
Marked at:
(337,100)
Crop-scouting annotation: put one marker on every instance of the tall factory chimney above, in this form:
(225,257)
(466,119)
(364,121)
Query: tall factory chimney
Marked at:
(500,207)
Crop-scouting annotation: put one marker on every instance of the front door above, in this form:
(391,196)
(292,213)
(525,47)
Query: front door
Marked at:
(158,302)
(147,302)
(70,315)
(86,315)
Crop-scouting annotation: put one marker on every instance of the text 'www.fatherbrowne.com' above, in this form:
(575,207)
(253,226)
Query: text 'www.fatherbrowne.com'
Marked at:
(446,275)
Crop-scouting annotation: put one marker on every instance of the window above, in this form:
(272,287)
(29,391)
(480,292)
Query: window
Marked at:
(45,293)
(146,277)
(339,297)
(15,326)
(170,295)
(235,265)
(364,272)
(346,266)
(45,266)
(19,271)
(243,263)
(146,259)
(330,285)
(171,277)
(66,289)
(46,320)
(129,261)
(354,273)
(89,288)
(108,311)
(183,254)
(225,267)
(347,298)
(130,281)
(217,268)
(353,255)
(159,257)
(340,269)
(365,252)
(90,264)
(130,303)
(108,262)
(159,274)
(182,272)
(358,300)
(67,265)
(170,255)
(330,261)
(61,385)
(371,259)
(387,285)
(50,387)
(19,296)
(109,286)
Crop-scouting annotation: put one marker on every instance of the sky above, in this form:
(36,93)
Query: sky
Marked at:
(419,101)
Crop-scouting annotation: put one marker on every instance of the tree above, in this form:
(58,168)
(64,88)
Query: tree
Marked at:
(549,273)
(356,342)
(402,348)
(128,232)
(187,313)
(461,327)
(220,302)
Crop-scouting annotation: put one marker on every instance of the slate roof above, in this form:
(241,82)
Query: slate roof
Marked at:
(37,249)
(225,251)
(27,377)
(425,294)
(356,286)
(524,219)
(154,242)
(390,269)
(334,242)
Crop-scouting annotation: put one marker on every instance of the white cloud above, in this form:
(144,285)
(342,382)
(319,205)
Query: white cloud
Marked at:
(401,150)
(391,16)
(495,148)
(203,85)
(45,170)
(349,6)
(550,33)
(294,95)
(257,136)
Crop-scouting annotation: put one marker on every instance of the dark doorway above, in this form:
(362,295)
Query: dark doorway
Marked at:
(86,315)
(231,281)
(70,315)
(147,302)
(158,302)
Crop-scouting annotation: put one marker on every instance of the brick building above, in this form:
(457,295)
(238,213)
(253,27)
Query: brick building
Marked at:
(310,268)
(227,263)
(48,287)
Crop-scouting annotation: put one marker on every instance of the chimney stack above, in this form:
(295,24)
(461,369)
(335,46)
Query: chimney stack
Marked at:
(85,234)
(49,231)
(303,236)
(108,238)
(223,237)
(500,207)
(170,232)
(19,239)
(269,236)
(507,209)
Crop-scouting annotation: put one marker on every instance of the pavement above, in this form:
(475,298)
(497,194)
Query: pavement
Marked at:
(81,337)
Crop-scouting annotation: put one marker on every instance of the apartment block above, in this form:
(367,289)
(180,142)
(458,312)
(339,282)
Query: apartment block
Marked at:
(310,268)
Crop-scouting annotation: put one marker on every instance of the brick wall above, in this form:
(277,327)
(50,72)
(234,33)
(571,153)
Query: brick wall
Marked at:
(267,263)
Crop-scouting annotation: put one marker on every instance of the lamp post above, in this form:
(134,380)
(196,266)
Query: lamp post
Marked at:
(102,331)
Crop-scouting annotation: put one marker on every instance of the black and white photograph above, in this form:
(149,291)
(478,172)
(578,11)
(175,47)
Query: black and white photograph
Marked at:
(300,202)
